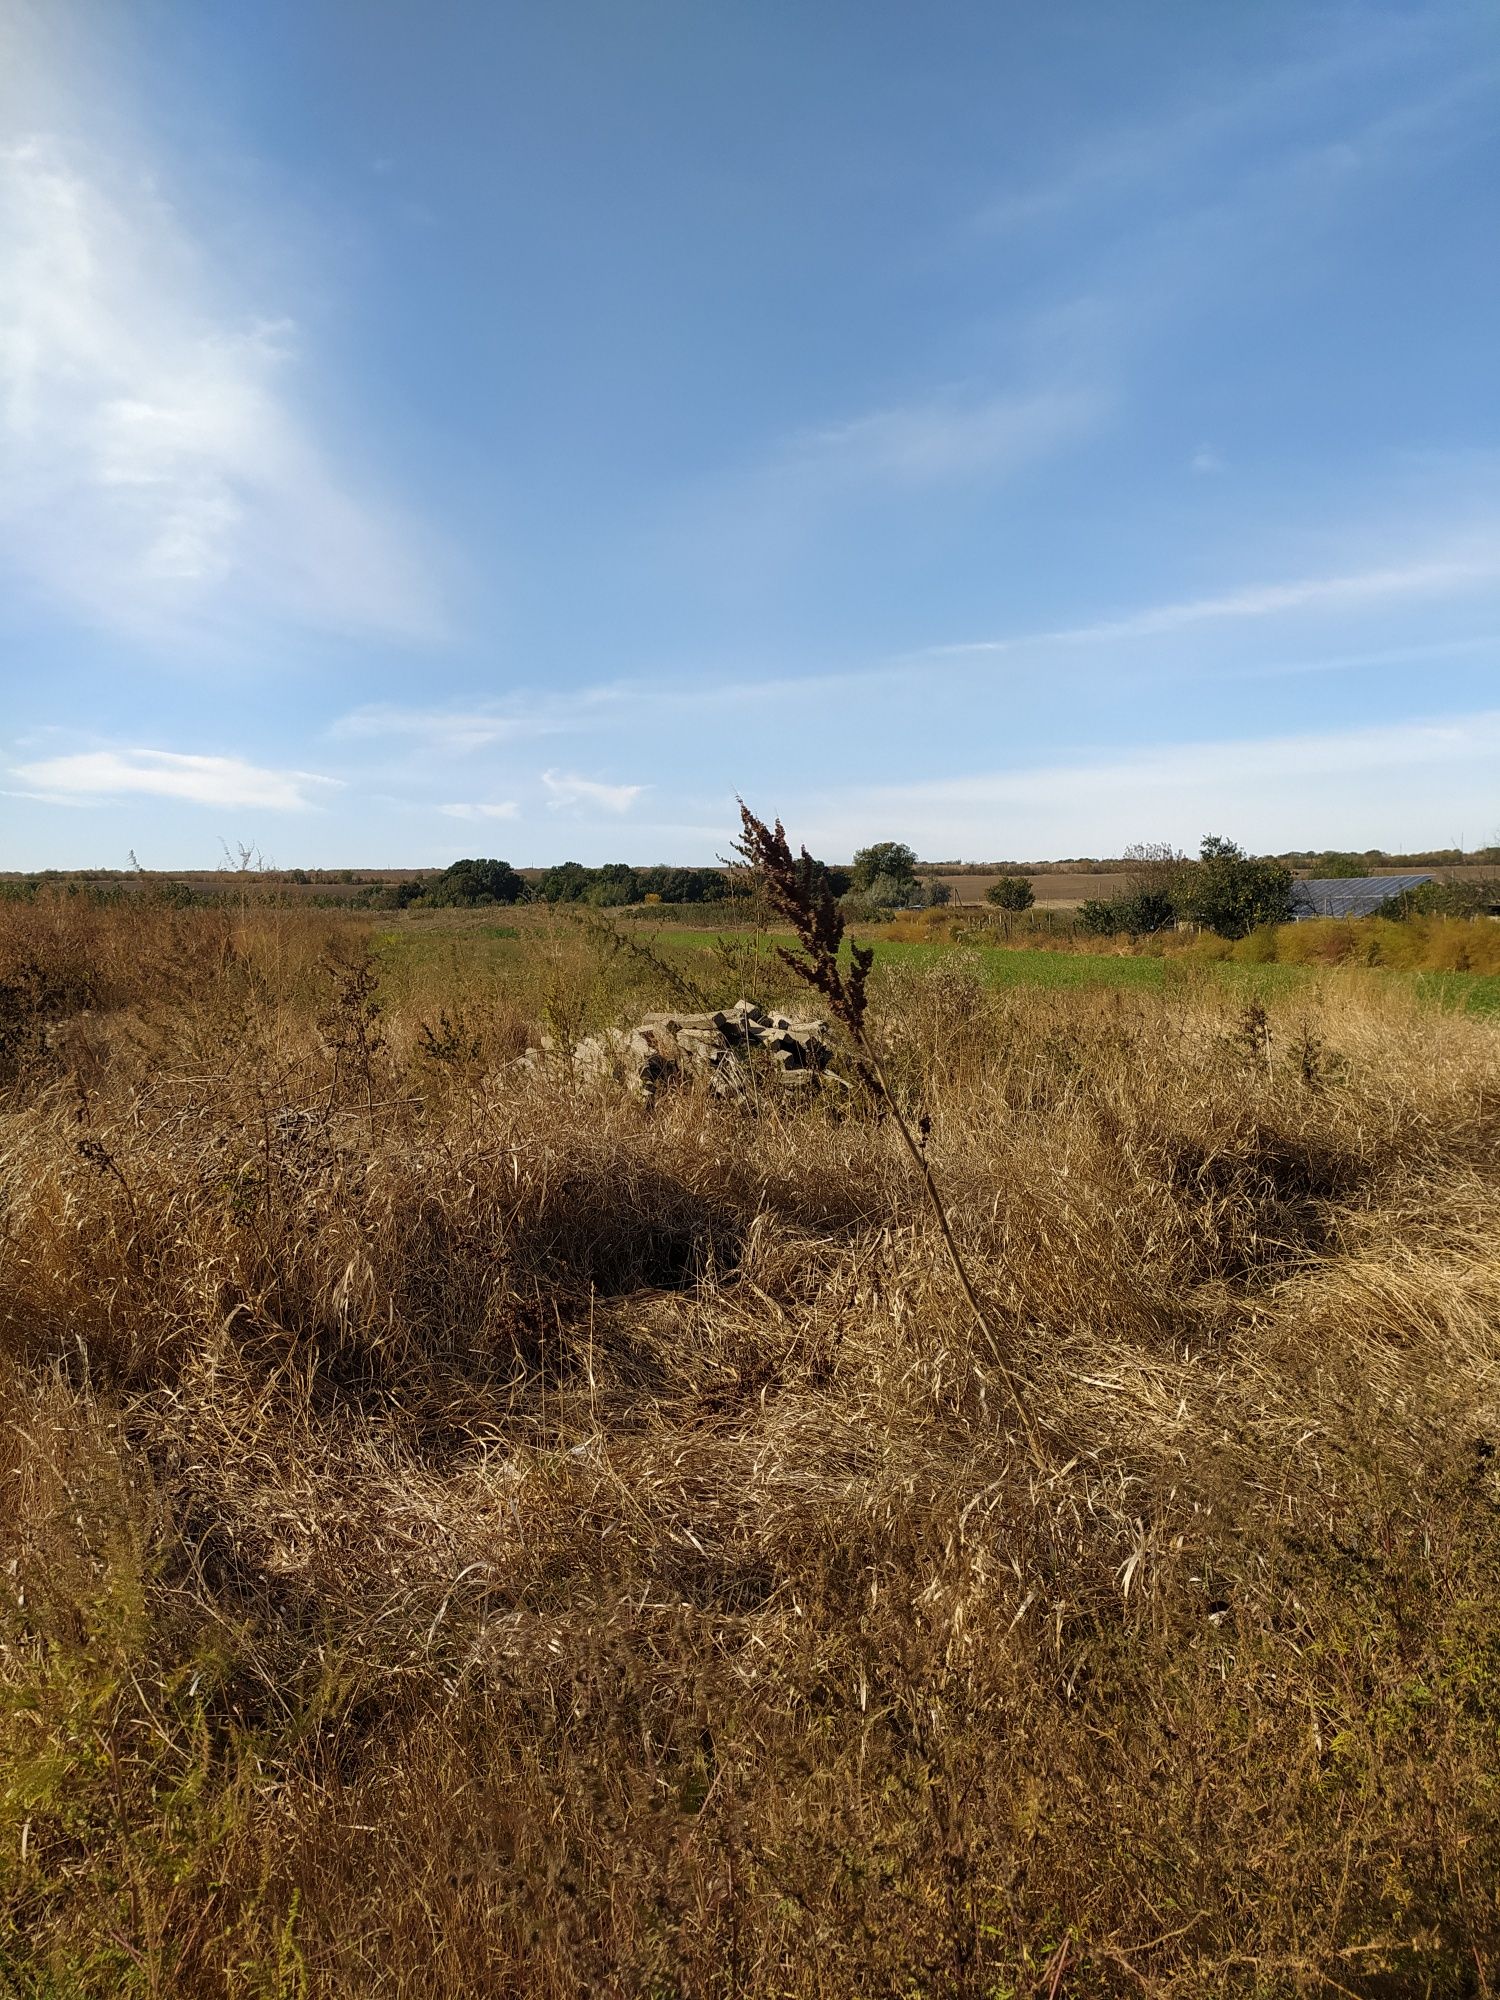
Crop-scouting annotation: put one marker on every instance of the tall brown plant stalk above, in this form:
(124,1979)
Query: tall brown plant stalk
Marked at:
(796,891)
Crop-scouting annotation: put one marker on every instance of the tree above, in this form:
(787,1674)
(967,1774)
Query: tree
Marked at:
(890,861)
(1154,867)
(683,885)
(613,885)
(566,883)
(1340,867)
(885,893)
(1229,891)
(472,882)
(1011,892)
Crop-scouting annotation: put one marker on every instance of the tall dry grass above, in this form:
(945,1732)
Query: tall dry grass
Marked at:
(1405,944)
(465,1533)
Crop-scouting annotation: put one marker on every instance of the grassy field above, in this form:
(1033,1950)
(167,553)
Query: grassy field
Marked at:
(466,1530)
(504,946)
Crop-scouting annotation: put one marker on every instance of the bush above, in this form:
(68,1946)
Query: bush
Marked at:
(1140,915)
(889,865)
(469,883)
(1011,892)
(883,894)
(1443,899)
(1338,867)
(1230,892)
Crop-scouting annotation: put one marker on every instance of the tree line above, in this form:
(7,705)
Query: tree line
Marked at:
(614,885)
(1224,889)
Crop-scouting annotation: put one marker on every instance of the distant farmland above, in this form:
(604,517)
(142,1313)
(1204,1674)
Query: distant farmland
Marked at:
(1061,887)
(1053,891)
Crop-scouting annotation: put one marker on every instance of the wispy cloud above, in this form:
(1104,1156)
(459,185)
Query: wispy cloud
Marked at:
(501,809)
(1442,576)
(446,729)
(169,774)
(157,470)
(1183,145)
(948,437)
(769,517)
(567,789)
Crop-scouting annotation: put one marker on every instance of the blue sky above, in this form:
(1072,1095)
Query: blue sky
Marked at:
(448,429)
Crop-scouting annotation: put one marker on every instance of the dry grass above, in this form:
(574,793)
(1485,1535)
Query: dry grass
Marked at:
(1410,944)
(467,1535)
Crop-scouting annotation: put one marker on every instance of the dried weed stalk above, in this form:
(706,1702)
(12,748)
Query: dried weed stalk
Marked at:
(796,892)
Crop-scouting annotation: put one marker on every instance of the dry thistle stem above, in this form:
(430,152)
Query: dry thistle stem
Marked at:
(796,892)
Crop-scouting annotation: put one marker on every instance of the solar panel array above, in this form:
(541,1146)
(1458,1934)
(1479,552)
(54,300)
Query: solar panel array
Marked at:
(1356,896)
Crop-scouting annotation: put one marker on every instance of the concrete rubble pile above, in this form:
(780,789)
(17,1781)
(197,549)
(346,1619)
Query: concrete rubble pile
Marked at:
(718,1049)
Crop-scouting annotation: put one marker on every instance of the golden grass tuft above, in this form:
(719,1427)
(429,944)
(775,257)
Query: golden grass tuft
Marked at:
(465,1532)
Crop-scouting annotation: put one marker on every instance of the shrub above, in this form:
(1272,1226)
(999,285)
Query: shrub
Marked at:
(888,862)
(1443,899)
(1230,892)
(1340,867)
(882,894)
(1011,892)
(1140,915)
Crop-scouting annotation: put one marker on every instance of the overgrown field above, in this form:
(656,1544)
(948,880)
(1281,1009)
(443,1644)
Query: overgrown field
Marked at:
(466,1532)
(1430,959)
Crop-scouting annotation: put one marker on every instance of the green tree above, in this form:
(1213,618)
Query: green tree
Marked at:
(471,882)
(1011,892)
(1231,892)
(613,885)
(683,885)
(888,862)
(568,882)
(1335,867)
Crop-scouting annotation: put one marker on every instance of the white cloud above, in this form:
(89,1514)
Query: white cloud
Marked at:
(1407,784)
(1205,459)
(207,781)
(945,438)
(156,469)
(1442,576)
(503,809)
(447,729)
(569,790)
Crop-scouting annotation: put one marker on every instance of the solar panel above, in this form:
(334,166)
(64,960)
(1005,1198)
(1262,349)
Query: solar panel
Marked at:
(1354,896)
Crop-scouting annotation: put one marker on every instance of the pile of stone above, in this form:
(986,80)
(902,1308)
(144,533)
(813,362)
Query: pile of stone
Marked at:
(728,1051)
